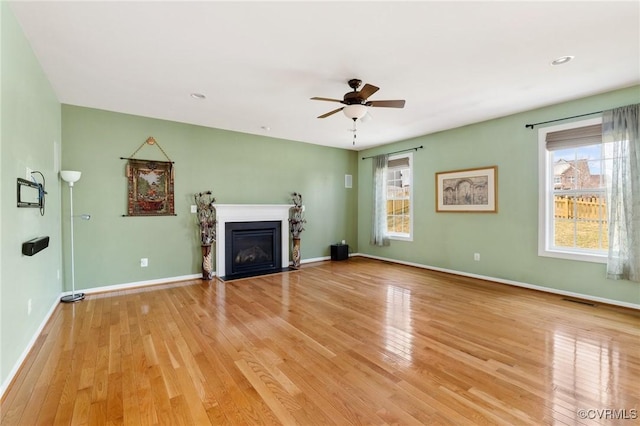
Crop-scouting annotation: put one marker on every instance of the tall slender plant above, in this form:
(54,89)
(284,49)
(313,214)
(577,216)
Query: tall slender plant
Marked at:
(207,222)
(296,226)
(297,220)
(206,217)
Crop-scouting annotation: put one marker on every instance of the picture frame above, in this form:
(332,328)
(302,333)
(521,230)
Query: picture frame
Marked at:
(467,190)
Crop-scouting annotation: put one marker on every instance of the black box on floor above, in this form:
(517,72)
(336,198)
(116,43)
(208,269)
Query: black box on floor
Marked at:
(339,251)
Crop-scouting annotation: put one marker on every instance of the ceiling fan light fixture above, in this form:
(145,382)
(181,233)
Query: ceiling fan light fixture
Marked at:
(355,111)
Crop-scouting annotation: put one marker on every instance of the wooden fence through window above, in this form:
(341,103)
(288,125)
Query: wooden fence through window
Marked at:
(581,208)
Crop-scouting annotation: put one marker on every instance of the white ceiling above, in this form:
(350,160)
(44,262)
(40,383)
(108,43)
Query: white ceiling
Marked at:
(258,63)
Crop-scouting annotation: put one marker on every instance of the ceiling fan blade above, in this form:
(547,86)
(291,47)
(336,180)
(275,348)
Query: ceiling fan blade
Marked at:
(387,104)
(315,98)
(331,113)
(368,90)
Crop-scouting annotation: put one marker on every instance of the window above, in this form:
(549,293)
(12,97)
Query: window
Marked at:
(399,197)
(573,173)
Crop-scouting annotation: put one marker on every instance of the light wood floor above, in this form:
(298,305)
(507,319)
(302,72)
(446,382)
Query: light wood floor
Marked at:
(359,341)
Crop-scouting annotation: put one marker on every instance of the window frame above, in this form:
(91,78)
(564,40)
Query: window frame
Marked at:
(401,236)
(545,203)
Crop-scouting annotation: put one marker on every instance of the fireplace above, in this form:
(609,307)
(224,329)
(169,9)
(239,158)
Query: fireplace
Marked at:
(253,248)
(276,240)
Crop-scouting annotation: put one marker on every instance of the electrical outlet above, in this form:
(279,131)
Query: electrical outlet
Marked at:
(144,262)
(194,209)
(476,257)
(29,307)
(28,174)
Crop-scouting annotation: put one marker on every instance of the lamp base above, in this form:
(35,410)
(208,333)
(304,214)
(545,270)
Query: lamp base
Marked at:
(70,298)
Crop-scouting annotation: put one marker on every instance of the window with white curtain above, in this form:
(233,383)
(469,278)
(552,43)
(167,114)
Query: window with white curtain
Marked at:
(400,197)
(574,166)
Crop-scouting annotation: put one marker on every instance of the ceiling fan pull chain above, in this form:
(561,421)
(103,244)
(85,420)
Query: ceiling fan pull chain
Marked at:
(354,131)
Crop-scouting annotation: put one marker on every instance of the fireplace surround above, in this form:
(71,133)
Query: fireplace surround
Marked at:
(237,214)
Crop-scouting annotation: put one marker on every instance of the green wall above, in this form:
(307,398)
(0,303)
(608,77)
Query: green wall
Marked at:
(29,137)
(507,240)
(238,168)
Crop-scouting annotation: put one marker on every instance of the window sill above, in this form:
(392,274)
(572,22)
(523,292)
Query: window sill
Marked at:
(399,237)
(572,255)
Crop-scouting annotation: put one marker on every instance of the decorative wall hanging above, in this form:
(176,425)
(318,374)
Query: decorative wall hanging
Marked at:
(150,185)
(470,190)
(296,226)
(207,222)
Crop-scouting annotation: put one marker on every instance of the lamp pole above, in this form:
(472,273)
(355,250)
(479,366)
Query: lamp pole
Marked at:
(70,177)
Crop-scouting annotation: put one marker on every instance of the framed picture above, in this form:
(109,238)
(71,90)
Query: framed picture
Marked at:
(469,190)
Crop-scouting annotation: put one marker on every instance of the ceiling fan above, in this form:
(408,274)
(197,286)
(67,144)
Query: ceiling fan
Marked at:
(356,102)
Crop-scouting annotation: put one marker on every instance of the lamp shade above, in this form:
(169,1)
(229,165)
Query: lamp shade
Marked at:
(70,176)
(355,111)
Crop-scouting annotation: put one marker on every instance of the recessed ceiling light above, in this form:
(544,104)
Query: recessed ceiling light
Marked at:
(562,60)
(198,96)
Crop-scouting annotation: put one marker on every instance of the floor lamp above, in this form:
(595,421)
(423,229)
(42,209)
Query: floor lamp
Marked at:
(71,177)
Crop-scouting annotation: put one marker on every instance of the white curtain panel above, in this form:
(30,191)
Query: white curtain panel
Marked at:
(379,220)
(620,128)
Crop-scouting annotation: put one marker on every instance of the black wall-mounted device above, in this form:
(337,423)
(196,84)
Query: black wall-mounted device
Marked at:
(31,247)
(29,193)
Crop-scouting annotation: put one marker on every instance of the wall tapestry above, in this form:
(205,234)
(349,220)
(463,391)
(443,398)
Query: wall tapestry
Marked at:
(150,186)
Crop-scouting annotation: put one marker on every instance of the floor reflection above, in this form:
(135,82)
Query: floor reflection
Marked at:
(398,328)
(586,367)
(221,298)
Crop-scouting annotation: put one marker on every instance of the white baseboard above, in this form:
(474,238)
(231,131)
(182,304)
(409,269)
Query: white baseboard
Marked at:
(315,259)
(127,286)
(509,282)
(27,349)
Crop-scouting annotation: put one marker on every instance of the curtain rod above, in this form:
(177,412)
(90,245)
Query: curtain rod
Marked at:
(530,126)
(397,152)
(151,161)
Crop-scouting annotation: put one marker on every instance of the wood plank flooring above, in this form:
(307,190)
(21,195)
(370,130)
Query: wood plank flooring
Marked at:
(353,342)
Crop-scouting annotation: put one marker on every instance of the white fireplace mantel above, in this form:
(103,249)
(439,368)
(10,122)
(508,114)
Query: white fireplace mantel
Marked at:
(250,213)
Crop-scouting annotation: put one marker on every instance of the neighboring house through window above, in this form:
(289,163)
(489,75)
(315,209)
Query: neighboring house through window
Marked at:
(400,197)
(572,211)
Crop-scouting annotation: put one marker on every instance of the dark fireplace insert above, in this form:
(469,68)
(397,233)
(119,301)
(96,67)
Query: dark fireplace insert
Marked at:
(252,249)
